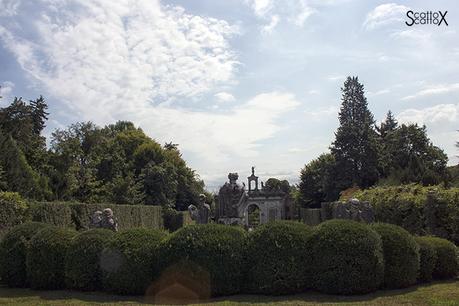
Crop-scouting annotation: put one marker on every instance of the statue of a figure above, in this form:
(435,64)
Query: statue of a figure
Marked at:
(229,197)
(201,213)
(104,219)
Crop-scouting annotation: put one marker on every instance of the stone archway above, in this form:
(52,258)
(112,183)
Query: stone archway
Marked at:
(253,215)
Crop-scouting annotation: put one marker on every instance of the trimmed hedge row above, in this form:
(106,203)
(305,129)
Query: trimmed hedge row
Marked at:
(199,261)
(420,210)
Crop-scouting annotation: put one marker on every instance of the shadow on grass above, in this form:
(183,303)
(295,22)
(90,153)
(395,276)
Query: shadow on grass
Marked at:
(308,297)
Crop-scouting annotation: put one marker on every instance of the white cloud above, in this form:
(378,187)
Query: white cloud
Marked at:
(110,61)
(335,77)
(5,89)
(303,13)
(261,7)
(434,90)
(267,29)
(224,97)
(9,7)
(440,113)
(321,112)
(378,93)
(384,14)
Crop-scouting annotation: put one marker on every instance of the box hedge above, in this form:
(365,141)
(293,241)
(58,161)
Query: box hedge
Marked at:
(428,258)
(446,265)
(205,259)
(45,258)
(346,258)
(12,210)
(401,255)
(278,261)
(130,260)
(82,260)
(13,251)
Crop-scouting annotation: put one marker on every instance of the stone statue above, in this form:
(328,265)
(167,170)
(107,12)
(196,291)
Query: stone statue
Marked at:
(104,219)
(201,213)
(229,197)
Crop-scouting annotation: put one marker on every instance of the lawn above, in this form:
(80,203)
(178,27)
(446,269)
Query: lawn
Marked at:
(437,293)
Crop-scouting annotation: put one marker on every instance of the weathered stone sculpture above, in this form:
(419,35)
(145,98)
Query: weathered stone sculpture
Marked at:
(229,197)
(201,213)
(104,219)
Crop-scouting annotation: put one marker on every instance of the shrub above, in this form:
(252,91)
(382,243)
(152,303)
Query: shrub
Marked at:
(277,258)
(12,209)
(130,260)
(45,257)
(428,258)
(82,261)
(346,257)
(446,265)
(401,256)
(13,250)
(208,258)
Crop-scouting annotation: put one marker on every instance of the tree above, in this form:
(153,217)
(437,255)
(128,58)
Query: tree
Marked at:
(389,125)
(317,182)
(355,148)
(276,185)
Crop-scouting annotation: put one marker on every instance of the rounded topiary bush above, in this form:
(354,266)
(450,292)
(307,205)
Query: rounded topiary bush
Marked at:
(202,260)
(446,265)
(130,260)
(428,258)
(82,261)
(13,250)
(46,257)
(346,258)
(401,256)
(277,258)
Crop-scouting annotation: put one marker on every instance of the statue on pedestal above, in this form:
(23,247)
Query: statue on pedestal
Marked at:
(201,213)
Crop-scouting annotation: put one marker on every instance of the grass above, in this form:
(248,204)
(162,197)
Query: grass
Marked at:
(437,293)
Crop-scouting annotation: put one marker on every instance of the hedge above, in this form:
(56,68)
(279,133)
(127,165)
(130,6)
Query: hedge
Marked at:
(428,258)
(420,210)
(12,209)
(205,259)
(45,258)
(346,258)
(82,260)
(78,215)
(277,258)
(13,250)
(130,260)
(401,255)
(446,265)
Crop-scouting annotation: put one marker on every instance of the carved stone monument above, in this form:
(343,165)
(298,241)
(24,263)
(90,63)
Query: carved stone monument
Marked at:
(104,219)
(201,213)
(229,198)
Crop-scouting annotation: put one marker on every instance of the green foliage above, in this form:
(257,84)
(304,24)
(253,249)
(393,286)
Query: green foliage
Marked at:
(346,258)
(401,256)
(45,259)
(277,258)
(12,209)
(173,220)
(420,210)
(446,265)
(317,182)
(198,250)
(83,260)
(78,215)
(356,145)
(276,185)
(428,258)
(130,260)
(13,250)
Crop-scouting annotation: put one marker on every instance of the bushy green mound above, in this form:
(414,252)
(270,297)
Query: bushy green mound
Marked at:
(82,261)
(130,260)
(401,256)
(209,256)
(428,258)
(346,258)
(277,258)
(446,265)
(13,250)
(46,257)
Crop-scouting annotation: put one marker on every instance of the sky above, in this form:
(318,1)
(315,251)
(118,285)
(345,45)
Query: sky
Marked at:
(236,83)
